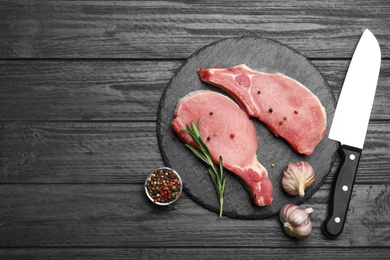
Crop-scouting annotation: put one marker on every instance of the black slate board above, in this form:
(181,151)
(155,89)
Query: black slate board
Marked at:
(263,55)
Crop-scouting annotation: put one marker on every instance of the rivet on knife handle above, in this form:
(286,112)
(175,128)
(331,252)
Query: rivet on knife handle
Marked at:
(342,190)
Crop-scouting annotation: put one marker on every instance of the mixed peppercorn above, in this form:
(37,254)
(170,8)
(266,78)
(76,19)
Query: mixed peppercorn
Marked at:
(163,186)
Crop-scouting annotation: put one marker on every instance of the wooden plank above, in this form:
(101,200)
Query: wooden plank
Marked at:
(123,152)
(194,253)
(82,90)
(71,152)
(118,90)
(121,216)
(175,29)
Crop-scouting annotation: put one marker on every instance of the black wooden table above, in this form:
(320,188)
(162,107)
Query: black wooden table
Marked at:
(80,84)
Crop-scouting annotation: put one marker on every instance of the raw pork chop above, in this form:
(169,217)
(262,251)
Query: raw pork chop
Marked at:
(284,105)
(228,132)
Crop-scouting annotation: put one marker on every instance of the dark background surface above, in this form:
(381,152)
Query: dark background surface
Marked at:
(80,84)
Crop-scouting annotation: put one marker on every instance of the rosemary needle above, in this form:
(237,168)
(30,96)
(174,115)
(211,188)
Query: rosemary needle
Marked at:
(215,171)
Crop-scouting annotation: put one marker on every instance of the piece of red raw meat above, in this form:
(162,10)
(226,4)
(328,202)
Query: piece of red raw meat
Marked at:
(284,105)
(228,132)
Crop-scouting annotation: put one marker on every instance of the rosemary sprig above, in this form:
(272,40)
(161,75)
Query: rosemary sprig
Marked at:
(215,171)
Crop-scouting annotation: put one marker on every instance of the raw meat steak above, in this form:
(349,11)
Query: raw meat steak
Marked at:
(228,132)
(284,105)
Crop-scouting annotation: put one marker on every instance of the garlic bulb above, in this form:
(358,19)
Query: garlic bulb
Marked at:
(298,176)
(296,220)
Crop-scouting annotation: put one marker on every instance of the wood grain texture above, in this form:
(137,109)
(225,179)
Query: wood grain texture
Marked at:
(124,152)
(193,253)
(82,90)
(80,83)
(119,90)
(175,29)
(78,152)
(121,216)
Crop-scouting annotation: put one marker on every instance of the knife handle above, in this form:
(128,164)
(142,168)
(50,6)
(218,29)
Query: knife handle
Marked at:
(342,191)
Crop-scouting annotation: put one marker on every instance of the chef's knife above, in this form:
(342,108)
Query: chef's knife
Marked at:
(350,125)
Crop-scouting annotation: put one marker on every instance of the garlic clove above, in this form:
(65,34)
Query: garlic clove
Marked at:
(296,221)
(297,177)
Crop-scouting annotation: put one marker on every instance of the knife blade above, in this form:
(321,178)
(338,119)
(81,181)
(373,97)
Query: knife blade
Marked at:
(349,126)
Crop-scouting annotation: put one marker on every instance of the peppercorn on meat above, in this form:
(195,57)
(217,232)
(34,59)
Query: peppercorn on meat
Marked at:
(284,105)
(228,132)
